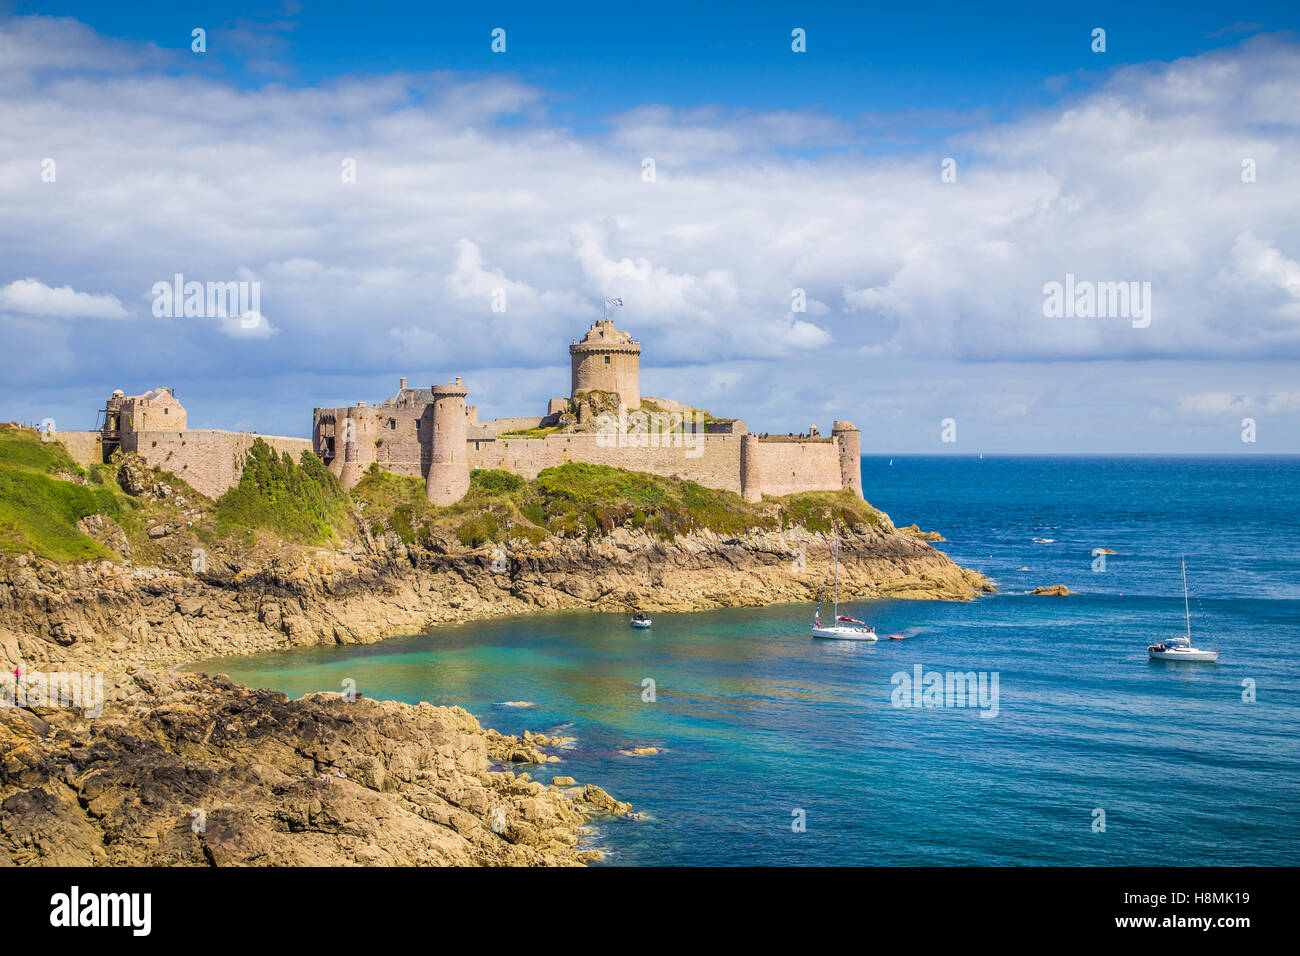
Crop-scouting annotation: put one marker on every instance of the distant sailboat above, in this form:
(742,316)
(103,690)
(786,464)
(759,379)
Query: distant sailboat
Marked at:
(844,628)
(1180,648)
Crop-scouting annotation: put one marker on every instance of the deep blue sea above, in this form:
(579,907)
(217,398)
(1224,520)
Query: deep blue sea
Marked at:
(761,728)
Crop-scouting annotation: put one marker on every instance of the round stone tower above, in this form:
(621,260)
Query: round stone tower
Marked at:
(607,360)
(850,442)
(358,446)
(448,478)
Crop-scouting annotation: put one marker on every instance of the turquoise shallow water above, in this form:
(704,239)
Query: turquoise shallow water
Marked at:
(756,721)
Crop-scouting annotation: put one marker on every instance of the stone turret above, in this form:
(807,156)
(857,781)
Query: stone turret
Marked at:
(358,446)
(607,360)
(448,477)
(850,442)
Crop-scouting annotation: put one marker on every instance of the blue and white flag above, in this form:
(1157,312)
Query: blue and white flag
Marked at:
(613,303)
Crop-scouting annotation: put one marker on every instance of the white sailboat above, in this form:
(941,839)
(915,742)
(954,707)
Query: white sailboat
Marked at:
(1180,648)
(844,628)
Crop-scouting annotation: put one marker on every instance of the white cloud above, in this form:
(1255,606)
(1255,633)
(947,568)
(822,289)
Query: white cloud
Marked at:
(250,325)
(805,335)
(33,297)
(1215,403)
(1137,178)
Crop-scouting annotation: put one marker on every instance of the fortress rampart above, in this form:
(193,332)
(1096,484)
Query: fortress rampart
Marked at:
(434,434)
(153,425)
(209,460)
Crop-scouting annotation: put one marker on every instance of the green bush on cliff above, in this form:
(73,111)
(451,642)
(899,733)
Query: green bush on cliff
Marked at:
(22,448)
(584,499)
(490,510)
(302,502)
(495,481)
(819,511)
(580,500)
(39,513)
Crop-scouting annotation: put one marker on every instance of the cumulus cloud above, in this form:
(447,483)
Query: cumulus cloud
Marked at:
(250,325)
(1136,178)
(33,297)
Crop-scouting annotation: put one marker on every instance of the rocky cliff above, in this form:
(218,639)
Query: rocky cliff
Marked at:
(109,615)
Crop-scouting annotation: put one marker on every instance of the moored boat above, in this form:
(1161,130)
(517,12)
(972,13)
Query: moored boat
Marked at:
(845,628)
(1180,648)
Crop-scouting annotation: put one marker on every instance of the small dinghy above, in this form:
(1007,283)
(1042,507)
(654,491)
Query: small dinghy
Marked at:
(640,620)
(897,637)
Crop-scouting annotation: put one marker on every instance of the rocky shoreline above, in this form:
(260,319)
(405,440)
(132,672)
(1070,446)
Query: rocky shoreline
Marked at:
(417,786)
(183,769)
(108,616)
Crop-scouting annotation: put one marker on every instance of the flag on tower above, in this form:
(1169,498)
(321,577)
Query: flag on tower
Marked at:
(613,303)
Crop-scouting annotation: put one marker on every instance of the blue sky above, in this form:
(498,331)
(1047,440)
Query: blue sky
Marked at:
(522,173)
(601,57)
(598,58)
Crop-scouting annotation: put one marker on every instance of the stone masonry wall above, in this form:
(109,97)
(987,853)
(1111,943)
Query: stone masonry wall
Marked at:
(210,461)
(789,467)
(717,464)
(86,448)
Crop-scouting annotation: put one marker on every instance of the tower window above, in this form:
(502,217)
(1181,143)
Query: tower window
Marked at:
(606,359)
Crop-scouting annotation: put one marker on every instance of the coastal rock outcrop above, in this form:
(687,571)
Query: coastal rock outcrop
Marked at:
(183,769)
(108,615)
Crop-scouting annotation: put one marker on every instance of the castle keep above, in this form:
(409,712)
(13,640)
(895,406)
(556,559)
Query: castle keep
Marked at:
(434,434)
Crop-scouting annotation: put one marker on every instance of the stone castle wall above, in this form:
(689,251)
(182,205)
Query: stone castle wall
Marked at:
(774,467)
(85,448)
(503,425)
(716,463)
(210,461)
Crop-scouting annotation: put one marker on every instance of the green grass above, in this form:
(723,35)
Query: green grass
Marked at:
(39,513)
(820,511)
(23,448)
(580,500)
(531,432)
(301,502)
(490,510)
(589,499)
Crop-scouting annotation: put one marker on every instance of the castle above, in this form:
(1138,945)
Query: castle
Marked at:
(434,434)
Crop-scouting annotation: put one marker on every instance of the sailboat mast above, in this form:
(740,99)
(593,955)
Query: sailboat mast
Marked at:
(837,577)
(1187,610)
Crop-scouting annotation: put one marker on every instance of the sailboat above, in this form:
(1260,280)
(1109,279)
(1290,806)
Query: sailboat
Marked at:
(1180,648)
(844,628)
